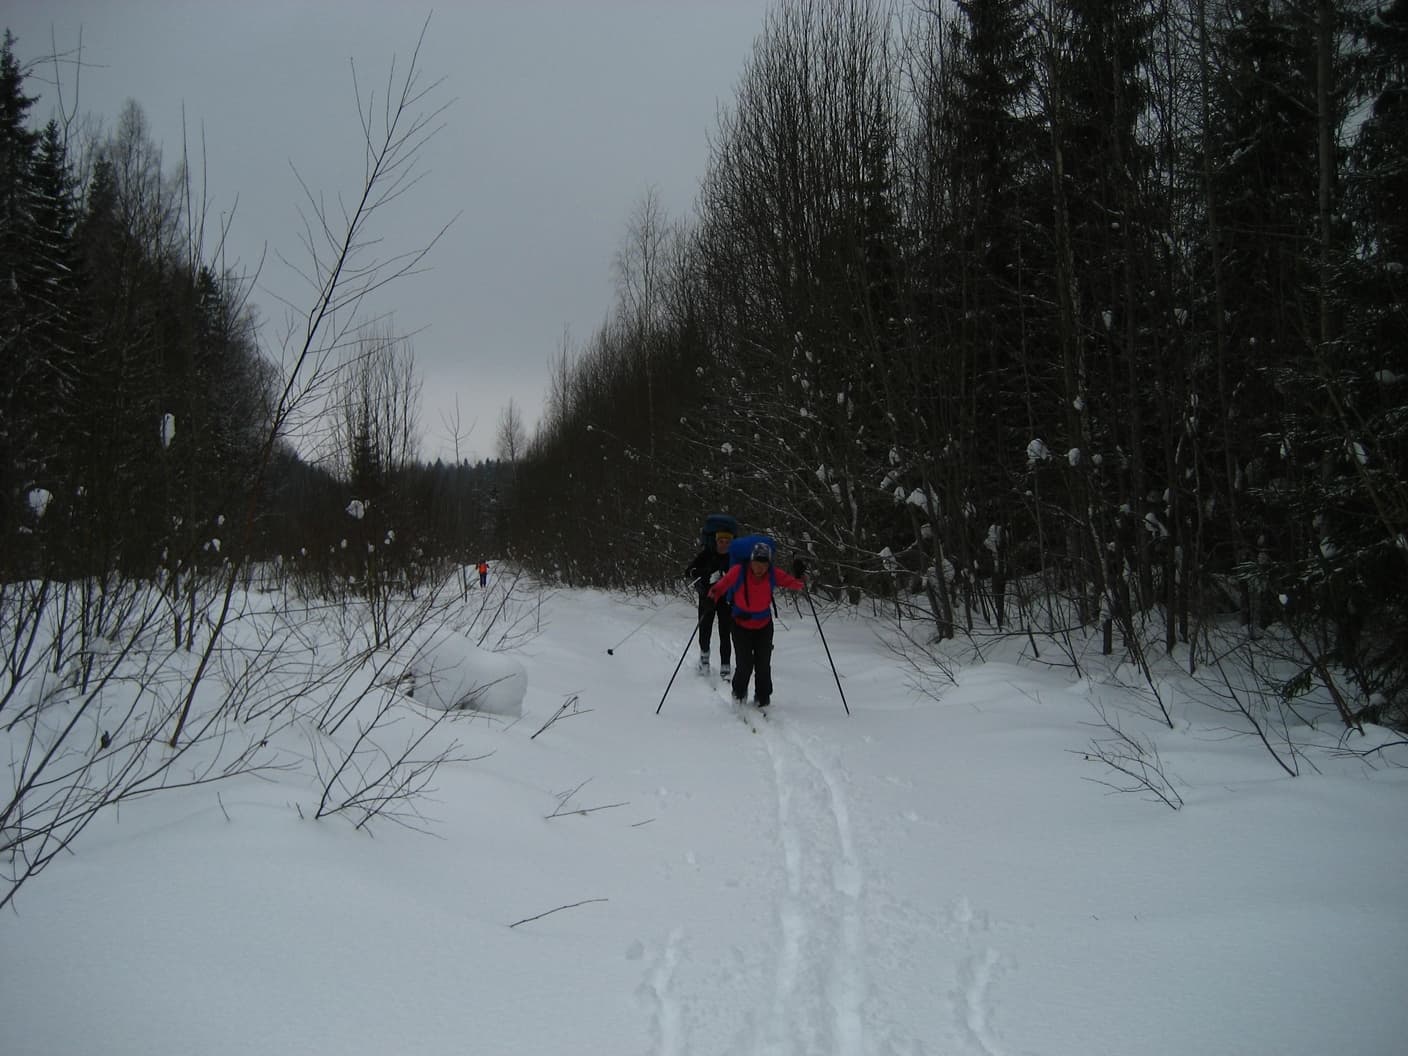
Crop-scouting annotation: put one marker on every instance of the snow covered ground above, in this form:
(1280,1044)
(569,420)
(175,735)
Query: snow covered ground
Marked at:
(940,875)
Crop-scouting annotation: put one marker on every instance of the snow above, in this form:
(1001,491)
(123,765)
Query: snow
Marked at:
(448,672)
(38,500)
(940,872)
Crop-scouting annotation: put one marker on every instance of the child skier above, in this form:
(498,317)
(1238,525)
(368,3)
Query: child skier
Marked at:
(752,585)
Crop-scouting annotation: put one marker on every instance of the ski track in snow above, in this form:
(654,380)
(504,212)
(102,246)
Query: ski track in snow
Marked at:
(819,982)
(815,962)
(668,1010)
(977,972)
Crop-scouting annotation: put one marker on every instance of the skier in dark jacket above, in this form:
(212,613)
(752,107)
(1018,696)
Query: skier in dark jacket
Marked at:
(705,570)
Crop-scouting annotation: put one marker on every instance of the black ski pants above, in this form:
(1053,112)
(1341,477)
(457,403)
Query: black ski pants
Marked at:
(754,649)
(723,609)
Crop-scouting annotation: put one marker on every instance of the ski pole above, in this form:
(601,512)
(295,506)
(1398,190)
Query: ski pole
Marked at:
(820,632)
(611,651)
(623,641)
(687,644)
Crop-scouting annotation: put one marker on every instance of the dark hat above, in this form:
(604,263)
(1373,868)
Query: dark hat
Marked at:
(760,553)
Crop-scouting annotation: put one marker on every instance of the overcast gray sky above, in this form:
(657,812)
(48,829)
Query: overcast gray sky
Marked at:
(565,112)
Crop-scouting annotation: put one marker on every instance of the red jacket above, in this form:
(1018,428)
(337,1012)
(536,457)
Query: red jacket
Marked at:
(752,601)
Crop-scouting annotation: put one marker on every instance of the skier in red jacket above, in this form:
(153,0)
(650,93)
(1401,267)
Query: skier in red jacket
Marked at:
(752,619)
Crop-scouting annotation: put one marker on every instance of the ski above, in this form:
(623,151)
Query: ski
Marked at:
(745,713)
(742,711)
(749,713)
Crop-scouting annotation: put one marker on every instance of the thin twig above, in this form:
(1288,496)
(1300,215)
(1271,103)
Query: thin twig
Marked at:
(559,909)
(557,714)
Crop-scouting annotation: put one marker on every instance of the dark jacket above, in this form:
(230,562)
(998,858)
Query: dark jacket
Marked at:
(703,567)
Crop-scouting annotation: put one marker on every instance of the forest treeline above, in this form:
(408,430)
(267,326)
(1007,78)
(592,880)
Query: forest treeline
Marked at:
(138,431)
(1101,300)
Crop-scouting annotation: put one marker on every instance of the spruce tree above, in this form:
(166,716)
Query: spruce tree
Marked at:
(20,307)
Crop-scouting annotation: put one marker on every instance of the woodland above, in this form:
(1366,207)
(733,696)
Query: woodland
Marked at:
(1085,316)
(1078,317)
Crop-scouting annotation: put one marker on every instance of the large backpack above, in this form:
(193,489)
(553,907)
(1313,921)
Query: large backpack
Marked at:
(739,551)
(717,522)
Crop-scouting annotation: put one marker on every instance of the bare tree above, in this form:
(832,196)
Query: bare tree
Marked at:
(376,408)
(639,267)
(512,438)
(343,271)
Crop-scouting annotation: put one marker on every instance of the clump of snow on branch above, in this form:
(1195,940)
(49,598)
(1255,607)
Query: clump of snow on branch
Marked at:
(39,499)
(168,429)
(1037,451)
(924,501)
(356,509)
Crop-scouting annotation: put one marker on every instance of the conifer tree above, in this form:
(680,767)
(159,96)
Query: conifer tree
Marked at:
(17,154)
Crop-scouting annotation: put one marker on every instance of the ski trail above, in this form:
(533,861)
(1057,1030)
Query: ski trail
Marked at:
(819,982)
(667,1009)
(976,977)
(976,974)
(848,986)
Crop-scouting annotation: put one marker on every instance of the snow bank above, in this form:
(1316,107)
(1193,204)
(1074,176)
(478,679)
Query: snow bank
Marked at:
(447,671)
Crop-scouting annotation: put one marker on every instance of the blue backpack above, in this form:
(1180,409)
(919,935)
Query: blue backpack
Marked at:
(739,551)
(717,522)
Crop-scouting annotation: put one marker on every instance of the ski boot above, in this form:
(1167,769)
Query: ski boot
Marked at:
(703,663)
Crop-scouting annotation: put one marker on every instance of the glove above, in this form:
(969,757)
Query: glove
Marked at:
(716,577)
(799,567)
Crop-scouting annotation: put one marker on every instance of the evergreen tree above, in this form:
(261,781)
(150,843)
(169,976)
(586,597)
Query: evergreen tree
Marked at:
(1263,160)
(1095,93)
(18,146)
(1361,568)
(1000,197)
